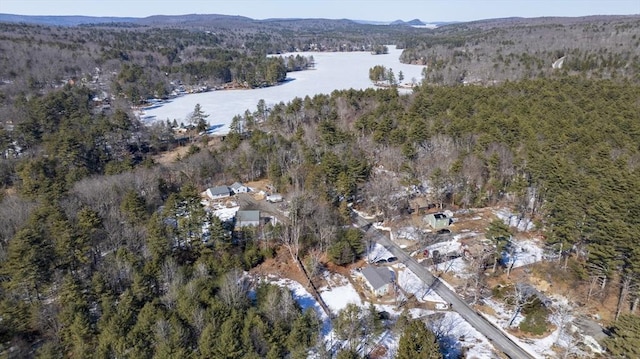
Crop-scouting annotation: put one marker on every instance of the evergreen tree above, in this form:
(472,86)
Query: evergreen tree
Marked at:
(228,345)
(198,118)
(625,341)
(134,207)
(418,342)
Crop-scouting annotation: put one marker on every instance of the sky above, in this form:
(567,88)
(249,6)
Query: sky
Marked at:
(373,10)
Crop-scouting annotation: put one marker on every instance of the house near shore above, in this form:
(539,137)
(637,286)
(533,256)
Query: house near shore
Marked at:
(379,280)
(218,192)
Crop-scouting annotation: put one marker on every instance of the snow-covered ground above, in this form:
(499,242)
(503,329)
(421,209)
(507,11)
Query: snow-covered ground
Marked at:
(513,220)
(410,233)
(338,293)
(539,347)
(226,214)
(453,330)
(305,300)
(527,252)
(377,253)
(411,284)
(333,71)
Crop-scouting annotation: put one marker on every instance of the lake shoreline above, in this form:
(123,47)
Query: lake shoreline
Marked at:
(332,71)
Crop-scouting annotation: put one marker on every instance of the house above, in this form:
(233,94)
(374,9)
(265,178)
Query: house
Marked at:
(247,218)
(218,192)
(437,220)
(238,187)
(378,279)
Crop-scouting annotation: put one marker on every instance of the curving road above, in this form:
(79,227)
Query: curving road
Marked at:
(498,338)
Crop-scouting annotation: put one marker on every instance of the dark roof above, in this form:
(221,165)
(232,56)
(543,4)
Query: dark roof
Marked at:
(219,190)
(377,277)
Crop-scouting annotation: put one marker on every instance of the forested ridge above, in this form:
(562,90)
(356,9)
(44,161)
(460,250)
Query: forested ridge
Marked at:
(486,52)
(102,252)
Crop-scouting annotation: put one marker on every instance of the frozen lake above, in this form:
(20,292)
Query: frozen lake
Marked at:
(333,71)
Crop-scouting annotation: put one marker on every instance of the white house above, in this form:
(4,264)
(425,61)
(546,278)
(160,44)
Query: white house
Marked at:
(378,279)
(218,192)
(238,187)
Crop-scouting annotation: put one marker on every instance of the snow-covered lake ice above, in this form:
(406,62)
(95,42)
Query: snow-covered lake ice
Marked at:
(333,71)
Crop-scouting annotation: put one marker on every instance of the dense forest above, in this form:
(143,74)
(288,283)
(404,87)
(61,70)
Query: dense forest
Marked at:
(102,252)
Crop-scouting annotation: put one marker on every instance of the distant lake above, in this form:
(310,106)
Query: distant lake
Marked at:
(333,71)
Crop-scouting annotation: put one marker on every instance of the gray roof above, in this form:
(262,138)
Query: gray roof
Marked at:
(248,216)
(377,277)
(236,185)
(219,190)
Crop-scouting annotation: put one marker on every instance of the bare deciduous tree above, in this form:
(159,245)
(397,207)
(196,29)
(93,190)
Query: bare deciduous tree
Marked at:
(234,289)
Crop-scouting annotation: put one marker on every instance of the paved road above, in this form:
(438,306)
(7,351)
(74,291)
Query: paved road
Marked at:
(495,335)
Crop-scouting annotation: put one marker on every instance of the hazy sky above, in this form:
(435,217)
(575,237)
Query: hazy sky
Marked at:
(381,10)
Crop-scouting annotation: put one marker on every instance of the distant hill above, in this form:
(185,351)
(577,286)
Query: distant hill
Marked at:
(414,23)
(64,20)
(188,19)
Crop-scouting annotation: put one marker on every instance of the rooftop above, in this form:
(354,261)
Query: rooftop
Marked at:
(219,190)
(377,277)
(248,216)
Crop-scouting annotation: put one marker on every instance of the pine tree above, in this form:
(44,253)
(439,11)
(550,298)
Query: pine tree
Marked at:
(198,118)
(228,345)
(625,342)
(418,342)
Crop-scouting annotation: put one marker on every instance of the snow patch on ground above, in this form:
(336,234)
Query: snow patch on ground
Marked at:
(225,214)
(410,233)
(338,297)
(411,284)
(527,252)
(378,252)
(539,348)
(456,333)
(513,220)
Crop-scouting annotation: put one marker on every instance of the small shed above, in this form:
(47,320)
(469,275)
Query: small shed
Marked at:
(274,197)
(218,192)
(238,187)
(247,218)
(378,279)
(437,220)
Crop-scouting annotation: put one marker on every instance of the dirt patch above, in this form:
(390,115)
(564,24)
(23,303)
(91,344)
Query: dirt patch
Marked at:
(175,154)
(281,265)
(172,156)
(261,185)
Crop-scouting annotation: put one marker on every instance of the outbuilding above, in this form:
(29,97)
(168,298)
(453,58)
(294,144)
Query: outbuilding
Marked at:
(437,220)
